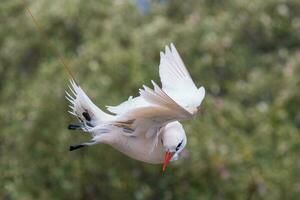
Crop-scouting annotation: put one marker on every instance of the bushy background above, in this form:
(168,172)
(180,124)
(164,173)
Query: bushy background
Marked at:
(245,144)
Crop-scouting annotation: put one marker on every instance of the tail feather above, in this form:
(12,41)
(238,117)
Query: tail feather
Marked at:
(84,109)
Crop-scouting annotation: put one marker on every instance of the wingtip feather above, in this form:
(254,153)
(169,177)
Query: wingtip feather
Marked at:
(172,46)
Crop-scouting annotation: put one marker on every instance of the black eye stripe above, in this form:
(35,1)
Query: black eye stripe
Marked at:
(180,143)
(178,146)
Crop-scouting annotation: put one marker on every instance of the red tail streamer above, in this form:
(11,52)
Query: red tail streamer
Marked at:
(40,30)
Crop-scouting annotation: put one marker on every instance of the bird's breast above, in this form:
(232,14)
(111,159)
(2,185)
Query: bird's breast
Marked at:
(140,148)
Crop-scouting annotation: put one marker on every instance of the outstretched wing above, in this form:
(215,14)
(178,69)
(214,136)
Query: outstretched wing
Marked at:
(176,80)
(127,105)
(178,99)
(176,84)
(160,110)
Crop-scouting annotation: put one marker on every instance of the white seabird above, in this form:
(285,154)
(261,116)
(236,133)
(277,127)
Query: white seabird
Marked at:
(146,127)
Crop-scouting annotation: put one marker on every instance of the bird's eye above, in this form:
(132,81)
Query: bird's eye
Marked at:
(178,146)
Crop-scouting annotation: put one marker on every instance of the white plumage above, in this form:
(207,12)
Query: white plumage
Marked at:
(146,127)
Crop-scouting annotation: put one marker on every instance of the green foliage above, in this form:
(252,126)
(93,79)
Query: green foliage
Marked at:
(245,144)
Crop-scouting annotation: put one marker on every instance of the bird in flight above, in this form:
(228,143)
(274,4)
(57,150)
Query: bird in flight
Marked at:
(145,127)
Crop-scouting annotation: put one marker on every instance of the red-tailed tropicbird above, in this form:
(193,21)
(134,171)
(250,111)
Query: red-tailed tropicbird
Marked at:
(145,127)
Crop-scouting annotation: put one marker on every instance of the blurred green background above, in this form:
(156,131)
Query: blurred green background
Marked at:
(244,145)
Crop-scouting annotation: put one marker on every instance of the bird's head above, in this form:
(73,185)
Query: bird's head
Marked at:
(174,141)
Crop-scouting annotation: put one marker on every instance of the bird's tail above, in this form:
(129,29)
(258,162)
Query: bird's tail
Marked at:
(84,109)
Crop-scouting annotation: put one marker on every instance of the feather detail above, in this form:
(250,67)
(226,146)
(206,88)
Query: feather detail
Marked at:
(160,98)
(83,108)
(177,82)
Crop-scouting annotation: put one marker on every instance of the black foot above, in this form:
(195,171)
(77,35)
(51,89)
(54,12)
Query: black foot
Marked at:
(78,146)
(74,127)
